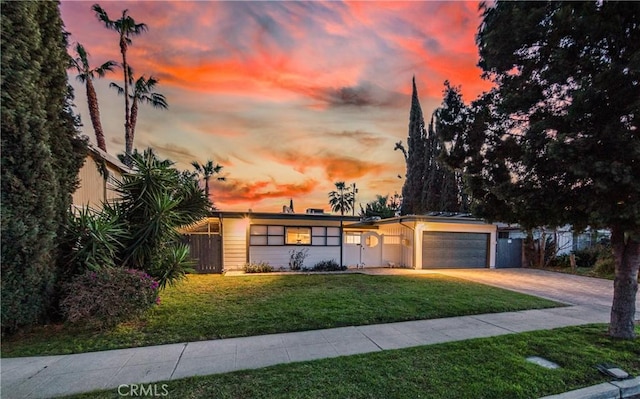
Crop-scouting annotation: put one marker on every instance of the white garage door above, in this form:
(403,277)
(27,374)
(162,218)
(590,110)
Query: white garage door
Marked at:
(454,250)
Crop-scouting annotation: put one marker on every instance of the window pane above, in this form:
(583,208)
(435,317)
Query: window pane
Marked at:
(319,241)
(318,231)
(333,240)
(258,240)
(333,231)
(258,230)
(276,240)
(299,235)
(352,238)
(276,230)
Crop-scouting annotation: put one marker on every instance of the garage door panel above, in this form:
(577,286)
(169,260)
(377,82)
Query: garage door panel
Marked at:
(454,250)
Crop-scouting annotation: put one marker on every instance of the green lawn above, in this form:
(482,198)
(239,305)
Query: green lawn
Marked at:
(213,306)
(479,368)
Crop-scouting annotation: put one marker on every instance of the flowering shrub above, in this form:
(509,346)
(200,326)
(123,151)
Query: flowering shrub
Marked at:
(109,296)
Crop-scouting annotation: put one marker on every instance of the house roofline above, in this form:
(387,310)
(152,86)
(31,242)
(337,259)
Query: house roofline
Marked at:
(110,159)
(287,216)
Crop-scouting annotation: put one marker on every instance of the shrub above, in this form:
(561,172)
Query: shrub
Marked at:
(91,241)
(563,260)
(296,258)
(328,265)
(588,257)
(260,267)
(605,266)
(108,296)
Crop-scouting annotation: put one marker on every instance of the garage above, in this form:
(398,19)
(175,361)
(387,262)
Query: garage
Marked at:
(448,250)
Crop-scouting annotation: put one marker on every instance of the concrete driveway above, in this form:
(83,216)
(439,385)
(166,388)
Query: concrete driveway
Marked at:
(595,293)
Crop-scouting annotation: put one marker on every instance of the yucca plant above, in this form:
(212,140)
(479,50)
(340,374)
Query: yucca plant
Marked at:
(156,199)
(92,240)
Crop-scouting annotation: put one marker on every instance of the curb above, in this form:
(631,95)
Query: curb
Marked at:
(625,389)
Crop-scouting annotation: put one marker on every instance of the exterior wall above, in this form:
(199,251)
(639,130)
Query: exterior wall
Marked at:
(278,256)
(456,228)
(234,243)
(93,189)
(397,245)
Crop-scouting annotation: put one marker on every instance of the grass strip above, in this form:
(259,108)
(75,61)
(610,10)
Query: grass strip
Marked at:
(479,368)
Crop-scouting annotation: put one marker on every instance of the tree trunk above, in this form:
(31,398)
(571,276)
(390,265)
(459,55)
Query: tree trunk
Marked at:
(128,134)
(94,113)
(133,119)
(626,250)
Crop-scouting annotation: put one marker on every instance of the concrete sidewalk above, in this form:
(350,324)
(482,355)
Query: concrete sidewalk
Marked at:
(51,376)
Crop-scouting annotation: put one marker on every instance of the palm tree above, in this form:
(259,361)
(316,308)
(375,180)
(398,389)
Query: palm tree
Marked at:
(86,76)
(142,93)
(208,170)
(342,199)
(126,27)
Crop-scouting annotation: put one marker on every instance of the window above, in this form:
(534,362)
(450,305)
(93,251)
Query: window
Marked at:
(352,238)
(266,235)
(299,235)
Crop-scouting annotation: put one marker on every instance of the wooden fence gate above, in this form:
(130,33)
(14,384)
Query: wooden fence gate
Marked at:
(206,250)
(509,253)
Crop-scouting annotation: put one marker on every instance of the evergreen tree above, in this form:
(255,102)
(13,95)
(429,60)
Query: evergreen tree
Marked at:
(556,142)
(41,155)
(415,153)
(440,191)
(430,185)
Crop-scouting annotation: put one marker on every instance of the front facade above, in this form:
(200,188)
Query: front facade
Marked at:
(419,242)
(270,237)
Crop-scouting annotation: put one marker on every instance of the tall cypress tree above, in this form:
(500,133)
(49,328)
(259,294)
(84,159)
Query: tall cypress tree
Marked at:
(440,191)
(412,188)
(41,155)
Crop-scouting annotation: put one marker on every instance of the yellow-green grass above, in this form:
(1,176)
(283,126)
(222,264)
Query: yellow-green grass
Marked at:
(213,306)
(488,368)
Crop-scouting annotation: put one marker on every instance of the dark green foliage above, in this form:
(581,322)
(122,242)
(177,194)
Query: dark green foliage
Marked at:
(341,200)
(382,207)
(108,296)
(557,140)
(41,155)
(430,185)
(92,241)
(415,153)
(156,199)
(258,267)
(328,266)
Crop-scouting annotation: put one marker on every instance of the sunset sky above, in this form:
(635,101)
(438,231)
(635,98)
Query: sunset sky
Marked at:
(289,97)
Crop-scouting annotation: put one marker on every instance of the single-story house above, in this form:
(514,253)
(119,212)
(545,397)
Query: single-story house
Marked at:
(97,178)
(229,240)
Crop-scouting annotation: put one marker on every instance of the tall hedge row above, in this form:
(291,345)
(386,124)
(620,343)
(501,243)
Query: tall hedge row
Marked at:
(41,155)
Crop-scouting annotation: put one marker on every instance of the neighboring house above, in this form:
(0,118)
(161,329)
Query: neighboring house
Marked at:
(97,179)
(421,242)
(566,238)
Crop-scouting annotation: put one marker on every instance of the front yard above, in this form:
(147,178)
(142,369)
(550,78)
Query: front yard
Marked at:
(480,368)
(213,306)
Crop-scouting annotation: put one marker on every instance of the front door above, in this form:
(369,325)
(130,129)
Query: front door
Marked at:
(371,246)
